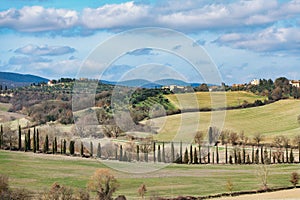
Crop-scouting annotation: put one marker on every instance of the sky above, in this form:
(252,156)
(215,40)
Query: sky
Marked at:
(245,39)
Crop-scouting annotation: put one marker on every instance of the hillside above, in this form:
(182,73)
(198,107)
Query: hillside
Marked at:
(212,99)
(14,79)
(279,118)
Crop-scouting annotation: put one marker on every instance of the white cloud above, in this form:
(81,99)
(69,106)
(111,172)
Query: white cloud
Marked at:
(37,19)
(267,40)
(114,16)
(44,50)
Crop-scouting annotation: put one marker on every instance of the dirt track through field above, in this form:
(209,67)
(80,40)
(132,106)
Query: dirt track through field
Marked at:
(280,195)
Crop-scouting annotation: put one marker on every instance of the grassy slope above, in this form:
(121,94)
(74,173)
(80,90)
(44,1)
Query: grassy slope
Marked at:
(219,99)
(273,119)
(38,172)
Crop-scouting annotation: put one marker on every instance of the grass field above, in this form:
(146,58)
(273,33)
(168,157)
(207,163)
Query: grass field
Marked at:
(38,172)
(279,118)
(212,99)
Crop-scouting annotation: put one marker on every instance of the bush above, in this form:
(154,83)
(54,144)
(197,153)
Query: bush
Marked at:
(294,178)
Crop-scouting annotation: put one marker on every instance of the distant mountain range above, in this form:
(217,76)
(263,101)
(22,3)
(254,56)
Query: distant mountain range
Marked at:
(148,84)
(12,80)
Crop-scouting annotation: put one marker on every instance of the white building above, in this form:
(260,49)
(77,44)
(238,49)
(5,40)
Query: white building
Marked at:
(255,82)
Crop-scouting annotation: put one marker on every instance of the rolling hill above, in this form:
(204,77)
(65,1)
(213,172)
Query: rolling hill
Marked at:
(279,118)
(11,80)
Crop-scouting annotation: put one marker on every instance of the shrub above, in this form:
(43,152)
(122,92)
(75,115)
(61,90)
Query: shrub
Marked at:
(294,178)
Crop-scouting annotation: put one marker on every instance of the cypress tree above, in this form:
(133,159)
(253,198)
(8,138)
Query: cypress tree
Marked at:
(81,149)
(28,140)
(37,140)
(55,145)
(146,156)
(282,157)
(121,153)
(180,153)
(91,149)
(299,152)
(195,156)
(217,152)
(116,153)
(270,155)
(213,157)
(291,156)
(210,135)
(248,159)
(19,139)
(253,157)
(1,136)
(262,154)
(61,146)
(186,157)
(235,156)
(266,158)
(172,153)
(239,158)
(34,141)
(65,147)
(257,157)
(287,154)
(230,160)
(244,156)
(200,155)
(226,154)
(25,143)
(125,158)
(46,145)
(191,154)
(72,147)
(158,154)
(137,153)
(99,151)
(163,153)
(154,154)
(208,154)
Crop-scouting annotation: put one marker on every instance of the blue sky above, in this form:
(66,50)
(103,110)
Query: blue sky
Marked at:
(246,39)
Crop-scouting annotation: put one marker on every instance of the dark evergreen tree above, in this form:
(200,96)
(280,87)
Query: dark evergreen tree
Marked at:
(1,136)
(72,147)
(116,153)
(180,152)
(91,149)
(172,153)
(230,160)
(65,147)
(200,154)
(248,159)
(163,153)
(81,149)
(257,156)
(208,154)
(34,140)
(99,151)
(25,143)
(195,156)
(262,154)
(125,158)
(253,156)
(213,157)
(154,154)
(55,145)
(239,158)
(158,154)
(61,146)
(217,152)
(286,154)
(146,156)
(266,158)
(121,153)
(191,154)
(53,148)
(210,135)
(226,154)
(235,156)
(37,140)
(28,140)
(291,156)
(19,139)
(186,157)
(244,156)
(137,153)
(46,145)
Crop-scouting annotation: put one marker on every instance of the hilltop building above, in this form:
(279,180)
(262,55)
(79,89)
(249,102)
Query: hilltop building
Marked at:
(255,82)
(295,83)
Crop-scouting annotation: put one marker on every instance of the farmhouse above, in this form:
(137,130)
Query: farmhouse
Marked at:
(295,83)
(255,82)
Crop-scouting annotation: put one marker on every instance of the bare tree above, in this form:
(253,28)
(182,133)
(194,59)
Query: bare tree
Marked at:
(263,173)
(258,137)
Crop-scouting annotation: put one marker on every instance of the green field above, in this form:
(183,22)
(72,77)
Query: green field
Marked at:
(212,99)
(38,172)
(279,118)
